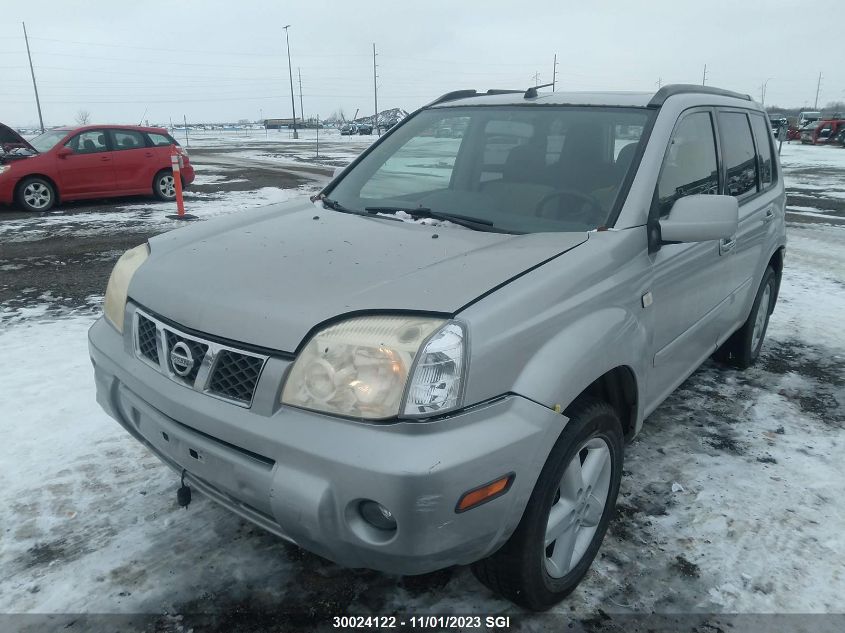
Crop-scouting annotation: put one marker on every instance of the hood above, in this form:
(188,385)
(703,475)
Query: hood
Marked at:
(268,276)
(10,139)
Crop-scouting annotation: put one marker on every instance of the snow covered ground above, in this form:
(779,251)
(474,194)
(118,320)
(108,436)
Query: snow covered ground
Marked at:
(731,499)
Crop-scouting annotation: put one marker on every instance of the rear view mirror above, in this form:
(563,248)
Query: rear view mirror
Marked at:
(701,218)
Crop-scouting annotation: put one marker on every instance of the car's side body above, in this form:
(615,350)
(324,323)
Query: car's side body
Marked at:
(616,312)
(98,161)
(597,321)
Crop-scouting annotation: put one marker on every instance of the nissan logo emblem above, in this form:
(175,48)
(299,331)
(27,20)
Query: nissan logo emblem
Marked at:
(181,359)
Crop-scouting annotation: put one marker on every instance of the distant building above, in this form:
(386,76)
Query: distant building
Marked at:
(275,124)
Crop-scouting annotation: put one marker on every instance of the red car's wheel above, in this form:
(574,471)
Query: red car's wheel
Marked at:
(36,194)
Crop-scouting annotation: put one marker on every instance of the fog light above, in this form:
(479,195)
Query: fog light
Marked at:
(377,515)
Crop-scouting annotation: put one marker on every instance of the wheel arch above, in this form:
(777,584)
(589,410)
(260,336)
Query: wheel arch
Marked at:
(776,263)
(50,180)
(618,387)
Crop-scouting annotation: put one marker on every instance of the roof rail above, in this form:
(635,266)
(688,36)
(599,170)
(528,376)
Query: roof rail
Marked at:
(671,90)
(463,94)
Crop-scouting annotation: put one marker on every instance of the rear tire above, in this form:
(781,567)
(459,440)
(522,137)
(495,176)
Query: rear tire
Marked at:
(537,575)
(36,194)
(164,185)
(742,349)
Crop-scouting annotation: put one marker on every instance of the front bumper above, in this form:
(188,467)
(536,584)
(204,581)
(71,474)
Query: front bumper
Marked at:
(7,188)
(302,475)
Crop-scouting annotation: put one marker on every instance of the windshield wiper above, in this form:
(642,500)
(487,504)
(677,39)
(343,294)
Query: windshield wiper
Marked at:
(476,224)
(336,206)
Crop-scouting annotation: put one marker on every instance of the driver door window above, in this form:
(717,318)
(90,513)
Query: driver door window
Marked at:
(89,142)
(690,166)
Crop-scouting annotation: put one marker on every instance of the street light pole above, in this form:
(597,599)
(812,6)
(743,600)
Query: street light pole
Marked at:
(290,71)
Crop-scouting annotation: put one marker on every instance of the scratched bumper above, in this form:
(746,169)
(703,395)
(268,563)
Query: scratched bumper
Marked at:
(303,475)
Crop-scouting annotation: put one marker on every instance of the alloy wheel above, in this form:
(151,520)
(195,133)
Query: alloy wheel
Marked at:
(578,507)
(167,186)
(37,195)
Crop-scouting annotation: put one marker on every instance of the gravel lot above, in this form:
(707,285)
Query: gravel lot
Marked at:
(731,498)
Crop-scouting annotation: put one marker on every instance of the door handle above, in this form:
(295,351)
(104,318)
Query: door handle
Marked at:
(726,245)
(148,154)
(769,215)
(105,159)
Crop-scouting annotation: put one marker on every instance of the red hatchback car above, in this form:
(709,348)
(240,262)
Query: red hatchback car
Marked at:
(94,161)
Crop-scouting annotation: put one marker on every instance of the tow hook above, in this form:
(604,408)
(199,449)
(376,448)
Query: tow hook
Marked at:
(183,495)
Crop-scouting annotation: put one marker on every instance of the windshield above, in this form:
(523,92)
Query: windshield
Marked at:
(47,141)
(523,169)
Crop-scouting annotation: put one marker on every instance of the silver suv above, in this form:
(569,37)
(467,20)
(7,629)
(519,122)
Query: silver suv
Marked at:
(437,360)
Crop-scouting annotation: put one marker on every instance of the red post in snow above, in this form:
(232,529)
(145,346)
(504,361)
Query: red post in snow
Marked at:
(176,166)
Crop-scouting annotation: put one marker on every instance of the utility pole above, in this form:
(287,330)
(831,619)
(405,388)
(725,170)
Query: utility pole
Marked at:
(704,76)
(301,109)
(187,140)
(763,91)
(32,72)
(536,79)
(659,82)
(554,73)
(375,90)
(818,88)
(290,72)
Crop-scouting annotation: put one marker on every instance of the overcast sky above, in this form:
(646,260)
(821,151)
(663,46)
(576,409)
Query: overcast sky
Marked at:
(225,60)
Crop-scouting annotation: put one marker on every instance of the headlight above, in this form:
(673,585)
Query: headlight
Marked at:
(361,368)
(115,302)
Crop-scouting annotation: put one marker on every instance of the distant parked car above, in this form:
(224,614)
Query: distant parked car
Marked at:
(349,129)
(828,131)
(808,132)
(365,128)
(777,124)
(840,138)
(95,161)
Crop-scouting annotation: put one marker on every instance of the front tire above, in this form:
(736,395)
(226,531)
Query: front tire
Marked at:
(164,185)
(36,194)
(567,515)
(742,349)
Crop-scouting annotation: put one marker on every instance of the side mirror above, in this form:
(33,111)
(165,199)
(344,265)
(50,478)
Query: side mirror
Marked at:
(701,218)
(64,152)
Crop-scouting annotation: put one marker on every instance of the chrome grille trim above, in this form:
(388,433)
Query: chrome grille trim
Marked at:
(204,375)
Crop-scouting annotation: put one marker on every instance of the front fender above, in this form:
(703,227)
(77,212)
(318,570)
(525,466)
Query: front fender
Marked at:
(588,348)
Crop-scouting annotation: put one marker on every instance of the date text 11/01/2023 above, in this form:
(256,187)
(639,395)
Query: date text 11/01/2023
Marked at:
(436,622)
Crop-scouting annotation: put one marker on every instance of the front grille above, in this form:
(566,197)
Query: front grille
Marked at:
(198,351)
(210,367)
(147,339)
(235,375)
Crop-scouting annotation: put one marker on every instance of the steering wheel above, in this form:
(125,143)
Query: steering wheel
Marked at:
(584,211)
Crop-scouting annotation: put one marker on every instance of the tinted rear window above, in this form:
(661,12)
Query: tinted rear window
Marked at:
(738,154)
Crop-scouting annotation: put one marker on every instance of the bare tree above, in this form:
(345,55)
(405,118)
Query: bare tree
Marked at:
(83,117)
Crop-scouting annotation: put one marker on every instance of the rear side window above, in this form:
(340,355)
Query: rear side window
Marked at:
(127,139)
(765,150)
(161,140)
(738,154)
(690,165)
